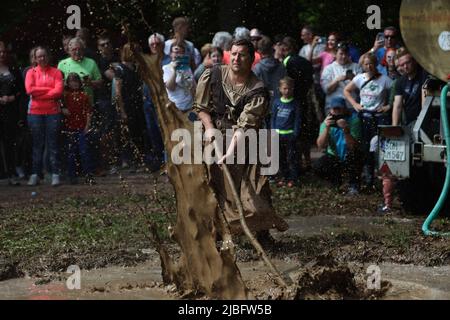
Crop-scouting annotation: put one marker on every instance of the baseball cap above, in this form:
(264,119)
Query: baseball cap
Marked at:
(337,102)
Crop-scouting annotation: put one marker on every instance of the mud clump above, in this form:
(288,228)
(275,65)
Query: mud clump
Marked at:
(326,279)
(8,270)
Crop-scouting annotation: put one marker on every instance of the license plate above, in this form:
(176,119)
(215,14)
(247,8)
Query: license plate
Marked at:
(394,150)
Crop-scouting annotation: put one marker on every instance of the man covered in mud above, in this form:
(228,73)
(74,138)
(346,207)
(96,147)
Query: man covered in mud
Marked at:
(232,97)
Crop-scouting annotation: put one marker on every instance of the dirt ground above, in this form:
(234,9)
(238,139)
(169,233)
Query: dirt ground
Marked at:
(331,242)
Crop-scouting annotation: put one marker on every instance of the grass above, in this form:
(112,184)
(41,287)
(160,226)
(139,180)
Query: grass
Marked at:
(80,226)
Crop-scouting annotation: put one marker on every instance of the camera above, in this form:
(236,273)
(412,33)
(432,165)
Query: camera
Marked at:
(336,118)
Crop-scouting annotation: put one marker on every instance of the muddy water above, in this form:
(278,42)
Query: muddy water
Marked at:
(144,282)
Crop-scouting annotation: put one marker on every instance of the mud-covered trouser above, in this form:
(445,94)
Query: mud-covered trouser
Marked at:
(332,168)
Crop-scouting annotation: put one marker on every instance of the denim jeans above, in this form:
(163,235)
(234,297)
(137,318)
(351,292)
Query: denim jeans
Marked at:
(45,129)
(77,145)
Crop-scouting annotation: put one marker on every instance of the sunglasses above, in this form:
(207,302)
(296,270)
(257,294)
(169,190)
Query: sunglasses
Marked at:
(389,37)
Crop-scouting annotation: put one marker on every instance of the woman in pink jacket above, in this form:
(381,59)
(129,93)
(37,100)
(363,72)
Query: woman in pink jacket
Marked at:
(45,86)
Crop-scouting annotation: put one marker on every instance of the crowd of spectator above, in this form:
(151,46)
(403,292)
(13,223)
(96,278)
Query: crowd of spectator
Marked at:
(89,113)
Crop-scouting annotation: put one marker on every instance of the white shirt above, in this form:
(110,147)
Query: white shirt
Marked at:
(182,95)
(375,93)
(333,71)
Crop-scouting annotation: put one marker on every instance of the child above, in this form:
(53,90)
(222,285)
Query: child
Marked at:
(286,121)
(78,111)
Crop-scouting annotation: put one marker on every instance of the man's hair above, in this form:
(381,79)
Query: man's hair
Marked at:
(265,46)
(156,35)
(402,51)
(391,28)
(310,29)
(241,33)
(222,39)
(246,43)
(290,44)
(344,46)
(77,40)
(287,81)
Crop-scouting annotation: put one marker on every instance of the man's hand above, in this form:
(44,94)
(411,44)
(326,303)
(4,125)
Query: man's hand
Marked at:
(329,121)
(342,123)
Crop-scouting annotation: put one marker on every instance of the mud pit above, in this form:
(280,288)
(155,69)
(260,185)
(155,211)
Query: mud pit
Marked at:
(416,267)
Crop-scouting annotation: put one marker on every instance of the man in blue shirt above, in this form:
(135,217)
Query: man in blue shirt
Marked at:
(340,135)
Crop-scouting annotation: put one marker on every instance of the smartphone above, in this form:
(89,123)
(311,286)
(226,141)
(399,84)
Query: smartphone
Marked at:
(349,74)
(380,37)
(183,62)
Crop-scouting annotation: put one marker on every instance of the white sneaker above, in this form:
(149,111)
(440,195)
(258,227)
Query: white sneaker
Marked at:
(34,180)
(55,180)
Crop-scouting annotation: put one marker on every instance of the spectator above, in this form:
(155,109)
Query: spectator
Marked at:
(156,45)
(78,113)
(85,67)
(223,39)
(381,46)
(278,48)
(269,70)
(286,121)
(85,35)
(213,57)
(155,155)
(327,56)
(300,69)
(104,118)
(11,91)
(128,97)
(373,108)
(340,134)
(45,86)
(389,61)
(181,28)
(179,80)
(337,75)
(408,95)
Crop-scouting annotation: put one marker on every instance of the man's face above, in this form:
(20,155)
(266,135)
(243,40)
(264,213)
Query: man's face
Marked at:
(104,46)
(278,50)
(306,36)
(76,52)
(240,59)
(337,111)
(407,64)
(341,57)
(155,45)
(390,39)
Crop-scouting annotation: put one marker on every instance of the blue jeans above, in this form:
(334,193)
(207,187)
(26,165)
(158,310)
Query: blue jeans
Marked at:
(77,144)
(45,129)
(153,131)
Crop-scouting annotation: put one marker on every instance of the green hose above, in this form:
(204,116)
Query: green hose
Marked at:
(437,208)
